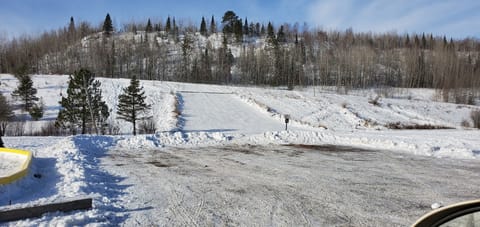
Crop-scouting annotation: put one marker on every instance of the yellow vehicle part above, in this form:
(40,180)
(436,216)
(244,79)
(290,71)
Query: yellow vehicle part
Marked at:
(24,169)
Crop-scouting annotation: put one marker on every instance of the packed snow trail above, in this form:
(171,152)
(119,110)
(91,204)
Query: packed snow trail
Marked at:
(225,113)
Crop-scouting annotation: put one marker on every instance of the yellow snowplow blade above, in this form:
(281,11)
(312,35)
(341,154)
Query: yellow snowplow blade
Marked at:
(22,171)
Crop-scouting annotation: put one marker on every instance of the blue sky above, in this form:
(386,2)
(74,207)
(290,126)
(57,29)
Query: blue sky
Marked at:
(453,18)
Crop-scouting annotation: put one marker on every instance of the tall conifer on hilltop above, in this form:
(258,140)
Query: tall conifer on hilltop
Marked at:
(213,25)
(229,21)
(203,27)
(107,25)
(271,34)
(149,27)
(131,104)
(168,25)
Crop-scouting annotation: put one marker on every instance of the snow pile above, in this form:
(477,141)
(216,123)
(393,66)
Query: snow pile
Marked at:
(11,163)
(66,168)
(443,144)
(173,139)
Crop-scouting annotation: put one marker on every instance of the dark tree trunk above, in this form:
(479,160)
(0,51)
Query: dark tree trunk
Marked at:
(134,128)
(84,123)
(1,141)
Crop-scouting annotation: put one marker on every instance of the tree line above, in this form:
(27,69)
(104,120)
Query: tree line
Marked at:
(82,108)
(288,55)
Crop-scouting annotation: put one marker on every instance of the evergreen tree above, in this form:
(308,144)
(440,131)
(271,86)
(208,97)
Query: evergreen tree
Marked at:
(281,35)
(71,26)
(407,41)
(83,107)
(238,30)
(174,26)
(271,34)
(245,27)
(417,41)
(36,112)
(71,30)
(6,115)
(158,27)
(424,41)
(168,26)
(25,92)
(203,27)
(131,104)
(213,26)
(107,25)
(229,21)
(251,29)
(149,27)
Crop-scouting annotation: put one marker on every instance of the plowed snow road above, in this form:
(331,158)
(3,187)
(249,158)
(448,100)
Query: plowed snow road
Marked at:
(226,113)
(286,186)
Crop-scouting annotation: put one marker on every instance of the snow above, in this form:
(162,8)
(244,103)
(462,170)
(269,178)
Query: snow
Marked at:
(11,163)
(210,115)
(436,206)
(226,147)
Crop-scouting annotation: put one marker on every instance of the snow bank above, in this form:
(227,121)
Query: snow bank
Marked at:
(65,168)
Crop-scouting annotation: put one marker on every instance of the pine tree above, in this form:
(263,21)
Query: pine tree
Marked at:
(238,30)
(25,92)
(271,34)
(168,26)
(71,30)
(131,104)
(281,35)
(149,27)
(203,27)
(229,22)
(71,26)
(245,27)
(251,29)
(6,115)
(213,26)
(424,41)
(107,25)
(36,112)
(407,41)
(83,107)
(174,27)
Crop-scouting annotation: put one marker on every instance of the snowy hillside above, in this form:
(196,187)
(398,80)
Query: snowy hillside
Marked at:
(205,134)
(225,114)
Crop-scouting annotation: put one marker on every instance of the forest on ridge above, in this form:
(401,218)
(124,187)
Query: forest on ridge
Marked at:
(232,50)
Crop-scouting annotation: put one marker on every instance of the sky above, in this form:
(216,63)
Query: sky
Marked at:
(452,18)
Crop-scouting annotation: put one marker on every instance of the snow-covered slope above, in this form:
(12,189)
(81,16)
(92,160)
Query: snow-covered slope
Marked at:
(213,114)
(195,116)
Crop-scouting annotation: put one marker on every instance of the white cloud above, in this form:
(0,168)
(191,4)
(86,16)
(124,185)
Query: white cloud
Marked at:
(440,17)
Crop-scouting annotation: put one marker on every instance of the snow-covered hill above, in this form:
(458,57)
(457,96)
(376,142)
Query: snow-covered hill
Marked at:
(212,114)
(190,117)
